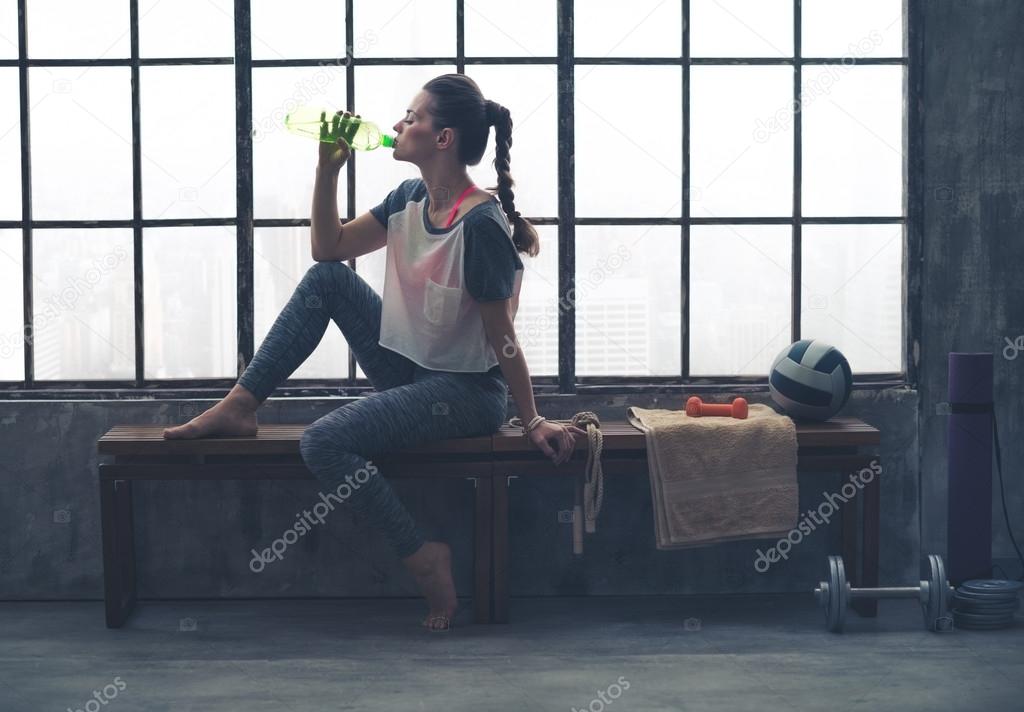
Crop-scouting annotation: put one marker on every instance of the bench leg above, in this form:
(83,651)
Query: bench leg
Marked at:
(850,521)
(118,550)
(482,551)
(499,558)
(868,607)
(860,527)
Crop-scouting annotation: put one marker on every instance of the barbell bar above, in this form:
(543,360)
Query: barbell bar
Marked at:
(836,594)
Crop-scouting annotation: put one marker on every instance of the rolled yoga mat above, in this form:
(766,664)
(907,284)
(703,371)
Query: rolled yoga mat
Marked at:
(969,524)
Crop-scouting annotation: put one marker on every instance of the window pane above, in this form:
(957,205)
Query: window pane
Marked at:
(852,140)
(629,141)
(852,296)
(867,28)
(741,285)
(742,162)
(741,28)
(298,29)
(65,30)
(284,165)
(9,30)
(82,290)
(188,141)
(527,28)
(382,96)
(95,180)
(190,296)
(399,28)
(627,301)
(12,327)
(530,93)
(10,146)
(644,28)
(168,29)
(536,322)
(282,257)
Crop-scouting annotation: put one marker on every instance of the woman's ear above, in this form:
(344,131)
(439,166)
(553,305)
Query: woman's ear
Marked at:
(446,138)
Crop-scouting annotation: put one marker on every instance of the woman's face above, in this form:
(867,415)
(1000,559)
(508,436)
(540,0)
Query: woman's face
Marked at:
(414,132)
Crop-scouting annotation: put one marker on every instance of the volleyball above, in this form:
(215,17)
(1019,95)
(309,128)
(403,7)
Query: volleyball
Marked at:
(810,380)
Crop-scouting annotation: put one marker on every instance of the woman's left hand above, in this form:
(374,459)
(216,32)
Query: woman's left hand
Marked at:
(564,436)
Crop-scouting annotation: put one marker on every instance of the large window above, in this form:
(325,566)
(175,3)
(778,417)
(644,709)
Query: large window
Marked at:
(711,180)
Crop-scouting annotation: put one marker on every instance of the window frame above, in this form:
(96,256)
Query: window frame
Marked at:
(566,382)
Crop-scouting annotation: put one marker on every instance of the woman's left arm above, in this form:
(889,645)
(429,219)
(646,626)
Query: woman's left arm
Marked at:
(497,318)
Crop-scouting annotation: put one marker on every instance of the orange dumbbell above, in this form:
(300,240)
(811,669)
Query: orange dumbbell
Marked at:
(696,409)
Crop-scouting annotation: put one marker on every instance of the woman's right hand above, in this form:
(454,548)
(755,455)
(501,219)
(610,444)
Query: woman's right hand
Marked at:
(334,155)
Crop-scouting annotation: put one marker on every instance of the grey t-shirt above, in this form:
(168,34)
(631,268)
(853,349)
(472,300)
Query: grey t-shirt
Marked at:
(490,260)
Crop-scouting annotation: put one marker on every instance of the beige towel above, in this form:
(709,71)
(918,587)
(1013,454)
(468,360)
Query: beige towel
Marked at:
(716,479)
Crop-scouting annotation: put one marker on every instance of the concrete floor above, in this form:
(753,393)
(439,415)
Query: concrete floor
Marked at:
(725,653)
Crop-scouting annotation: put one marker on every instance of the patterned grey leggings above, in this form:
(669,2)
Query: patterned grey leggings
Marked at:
(411,405)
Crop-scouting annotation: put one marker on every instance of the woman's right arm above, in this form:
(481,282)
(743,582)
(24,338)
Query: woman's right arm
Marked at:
(325,225)
(330,242)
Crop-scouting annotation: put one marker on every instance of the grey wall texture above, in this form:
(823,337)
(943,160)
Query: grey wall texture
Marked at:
(973,269)
(194,539)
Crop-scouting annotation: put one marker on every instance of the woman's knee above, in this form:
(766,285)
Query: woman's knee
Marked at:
(328,438)
(325,273)
(328,268)
(318,442)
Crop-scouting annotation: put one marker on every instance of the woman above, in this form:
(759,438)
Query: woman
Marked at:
(439,347)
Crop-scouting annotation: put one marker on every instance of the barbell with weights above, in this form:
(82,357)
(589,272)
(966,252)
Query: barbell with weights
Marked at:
(836,594)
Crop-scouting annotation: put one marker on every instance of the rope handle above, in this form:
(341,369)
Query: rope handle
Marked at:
(593,484)
(580,420)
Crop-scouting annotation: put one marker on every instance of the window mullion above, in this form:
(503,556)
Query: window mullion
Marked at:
(243,184)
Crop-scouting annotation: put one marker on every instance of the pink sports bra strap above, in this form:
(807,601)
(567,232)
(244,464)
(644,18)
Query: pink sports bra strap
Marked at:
(459,202)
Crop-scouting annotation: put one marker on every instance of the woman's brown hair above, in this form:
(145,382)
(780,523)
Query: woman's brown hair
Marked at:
(457,102)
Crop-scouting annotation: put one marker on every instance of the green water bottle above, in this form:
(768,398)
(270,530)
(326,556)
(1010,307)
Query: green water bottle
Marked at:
(328,126)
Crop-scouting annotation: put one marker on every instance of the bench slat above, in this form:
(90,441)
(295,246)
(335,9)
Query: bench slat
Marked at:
(283,471)
(620,435)
(275,439)
(280,439)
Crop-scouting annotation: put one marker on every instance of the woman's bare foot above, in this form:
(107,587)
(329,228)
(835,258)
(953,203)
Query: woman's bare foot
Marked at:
(234,415)
(432,567)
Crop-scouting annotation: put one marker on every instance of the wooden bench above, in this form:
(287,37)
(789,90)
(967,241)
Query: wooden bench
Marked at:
(141,453)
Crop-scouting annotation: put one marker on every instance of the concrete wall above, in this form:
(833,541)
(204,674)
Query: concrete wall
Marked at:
(973,269)
(195,539)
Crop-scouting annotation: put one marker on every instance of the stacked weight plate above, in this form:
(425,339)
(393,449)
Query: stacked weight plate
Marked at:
(986,604)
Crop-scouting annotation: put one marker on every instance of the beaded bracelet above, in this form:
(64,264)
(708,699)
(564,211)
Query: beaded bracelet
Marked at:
(534,422)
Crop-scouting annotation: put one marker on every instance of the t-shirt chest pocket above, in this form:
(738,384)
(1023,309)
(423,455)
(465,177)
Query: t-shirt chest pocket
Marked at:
(441,304)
